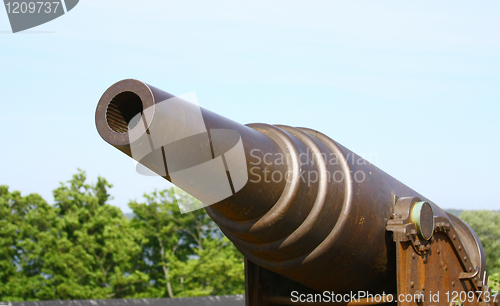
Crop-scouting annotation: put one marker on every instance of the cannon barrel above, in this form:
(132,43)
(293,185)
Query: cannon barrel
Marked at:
(312,210)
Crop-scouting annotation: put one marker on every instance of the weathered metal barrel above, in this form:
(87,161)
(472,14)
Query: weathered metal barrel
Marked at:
(312,210)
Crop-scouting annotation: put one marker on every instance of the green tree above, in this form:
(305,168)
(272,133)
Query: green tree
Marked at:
(494,282)
(185,254)
(96,245)
(79,248)
(83,248)
(486,224)
(158,221)
(216,268)
(26,227)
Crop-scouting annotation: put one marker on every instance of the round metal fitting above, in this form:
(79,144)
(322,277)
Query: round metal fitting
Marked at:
(422,216)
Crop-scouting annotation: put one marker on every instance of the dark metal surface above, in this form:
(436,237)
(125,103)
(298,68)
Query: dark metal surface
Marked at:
(326,234)
(232,300)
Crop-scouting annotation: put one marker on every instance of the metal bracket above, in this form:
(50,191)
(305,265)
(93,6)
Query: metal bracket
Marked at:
(414,273)
(471,275)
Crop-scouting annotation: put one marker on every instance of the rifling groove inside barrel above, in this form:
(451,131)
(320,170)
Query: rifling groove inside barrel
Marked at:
(121,110)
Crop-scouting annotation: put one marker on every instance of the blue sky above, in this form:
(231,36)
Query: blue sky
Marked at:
(412,86)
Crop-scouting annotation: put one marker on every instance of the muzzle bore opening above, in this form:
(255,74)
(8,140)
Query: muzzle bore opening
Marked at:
(122,109)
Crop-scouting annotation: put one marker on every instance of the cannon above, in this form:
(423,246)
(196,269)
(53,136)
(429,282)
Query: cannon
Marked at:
(316,223)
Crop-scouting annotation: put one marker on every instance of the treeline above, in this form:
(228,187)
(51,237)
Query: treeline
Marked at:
(81,247)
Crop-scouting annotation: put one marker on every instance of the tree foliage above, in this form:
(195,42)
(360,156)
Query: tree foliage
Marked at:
(79,248)
(83,248)
(486,224)
(494,282)
(97,244)
(185,254)
(26,227)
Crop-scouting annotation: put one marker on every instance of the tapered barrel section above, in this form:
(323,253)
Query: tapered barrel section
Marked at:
(300,204)
(155,127)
